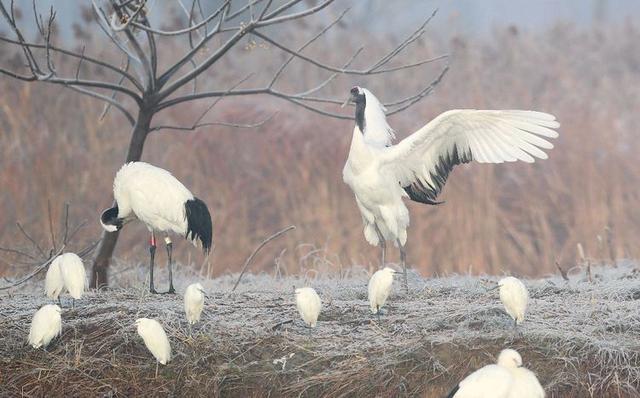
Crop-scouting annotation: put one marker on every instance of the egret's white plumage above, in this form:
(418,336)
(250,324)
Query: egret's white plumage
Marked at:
(309,305)
(379,288)
(53,282)
(491,381)
(515,297)
(155,197)
(73,274)
(155,339)
(381,175)
(525,384)
(193,302)
(45,325)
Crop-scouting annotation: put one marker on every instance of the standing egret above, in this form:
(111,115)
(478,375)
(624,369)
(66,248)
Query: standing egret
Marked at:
(193,303)
(53,282)
(379,288)
(381,174)
(515,297)
(309,305)
(155,339)
(491,381)
(46,325)
(162,203)
(65,272)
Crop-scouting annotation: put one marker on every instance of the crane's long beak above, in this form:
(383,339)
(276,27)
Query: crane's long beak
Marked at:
(346,101)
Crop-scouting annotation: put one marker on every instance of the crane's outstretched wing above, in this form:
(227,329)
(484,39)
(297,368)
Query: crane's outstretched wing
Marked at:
(422,162)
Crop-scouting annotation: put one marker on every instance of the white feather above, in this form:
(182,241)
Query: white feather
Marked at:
(155,339)
(193,302)
(153,195)
(53,282)
(73,274)
(491,381)
(377,171)
(515,297)
(309,305)
(379,288)
(525,384)
(45,325)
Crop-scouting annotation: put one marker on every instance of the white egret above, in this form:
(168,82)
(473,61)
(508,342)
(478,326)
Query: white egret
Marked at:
(515,297)
(491,381)
(381,174)
(66,272)
(193,303)
(162,203)
(525,384)
(155,339)
(309,305)
(45,325)
(379,288)
(53,282)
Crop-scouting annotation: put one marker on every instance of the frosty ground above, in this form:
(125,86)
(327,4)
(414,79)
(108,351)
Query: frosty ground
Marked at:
(582,338)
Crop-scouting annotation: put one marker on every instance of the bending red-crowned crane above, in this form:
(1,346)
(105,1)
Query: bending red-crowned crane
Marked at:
(491,381)
(381,174)
(163,204)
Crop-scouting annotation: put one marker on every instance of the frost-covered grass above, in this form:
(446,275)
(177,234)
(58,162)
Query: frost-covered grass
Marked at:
(581,338)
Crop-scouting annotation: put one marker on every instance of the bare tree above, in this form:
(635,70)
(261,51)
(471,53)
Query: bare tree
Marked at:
(140,88)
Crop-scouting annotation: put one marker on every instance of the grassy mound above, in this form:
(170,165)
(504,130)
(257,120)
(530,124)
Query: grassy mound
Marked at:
(581,338)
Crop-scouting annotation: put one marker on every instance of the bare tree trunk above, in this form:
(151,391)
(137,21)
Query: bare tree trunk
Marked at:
(99,272)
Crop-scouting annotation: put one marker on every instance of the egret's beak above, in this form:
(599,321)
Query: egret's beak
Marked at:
(203,292)
(493,288)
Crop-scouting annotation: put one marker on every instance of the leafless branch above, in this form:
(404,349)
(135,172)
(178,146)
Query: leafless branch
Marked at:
(257,249)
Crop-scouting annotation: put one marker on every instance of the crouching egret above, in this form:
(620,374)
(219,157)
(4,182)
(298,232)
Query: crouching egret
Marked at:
(45,325)
(193,303)
(66,272)
(162,203)
(491,381)
(309,305)
(381,174)
(379,288)
(155,339)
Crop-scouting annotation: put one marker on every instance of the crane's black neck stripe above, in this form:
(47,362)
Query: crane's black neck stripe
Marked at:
(199,224)
(361,103)
(110,217)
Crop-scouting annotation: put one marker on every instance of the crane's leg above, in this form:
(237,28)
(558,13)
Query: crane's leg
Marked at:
(152,252)
(167,240)
(378,312)
(403,260)
(59,302)
(383,244)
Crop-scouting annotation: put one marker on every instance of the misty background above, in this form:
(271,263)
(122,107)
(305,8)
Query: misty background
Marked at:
(579,60)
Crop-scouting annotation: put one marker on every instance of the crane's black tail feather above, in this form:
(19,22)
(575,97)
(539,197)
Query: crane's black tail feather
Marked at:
(199,224)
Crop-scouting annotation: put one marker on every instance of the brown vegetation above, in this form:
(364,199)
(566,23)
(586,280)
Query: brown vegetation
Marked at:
(517,218)
(579,337)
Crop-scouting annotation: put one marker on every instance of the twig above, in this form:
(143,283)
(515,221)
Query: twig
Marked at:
(563,273)
(34,273)
(277,325)
(264,242)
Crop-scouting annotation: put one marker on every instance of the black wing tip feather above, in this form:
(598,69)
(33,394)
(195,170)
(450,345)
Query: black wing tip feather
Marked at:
(454,391)
(199,224)
(418,192)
